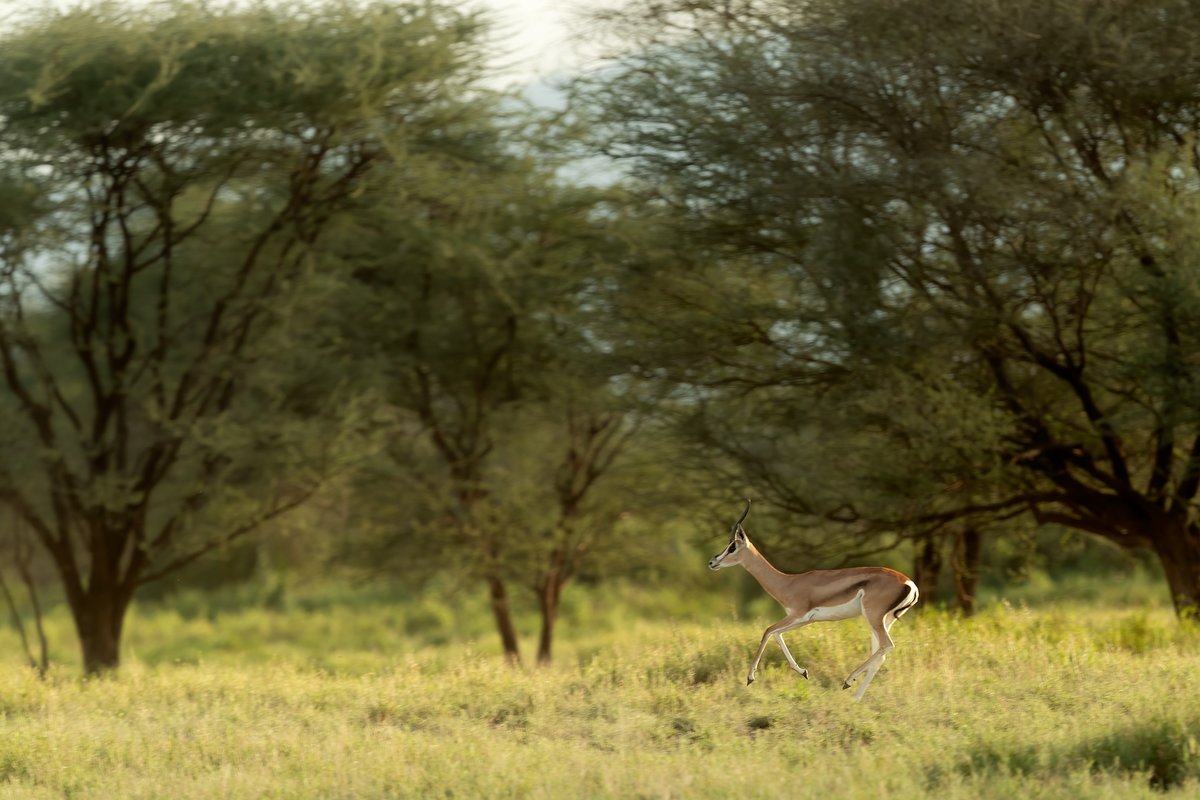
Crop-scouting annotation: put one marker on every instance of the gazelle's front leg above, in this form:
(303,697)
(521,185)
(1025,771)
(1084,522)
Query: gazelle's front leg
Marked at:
(788,655)
(775,630)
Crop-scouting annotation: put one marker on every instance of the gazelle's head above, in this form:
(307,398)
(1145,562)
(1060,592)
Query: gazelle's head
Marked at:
(738,543)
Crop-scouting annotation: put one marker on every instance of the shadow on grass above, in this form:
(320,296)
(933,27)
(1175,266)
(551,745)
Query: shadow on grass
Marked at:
(1167,752)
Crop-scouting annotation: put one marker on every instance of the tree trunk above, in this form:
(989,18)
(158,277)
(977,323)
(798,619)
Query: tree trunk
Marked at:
(98,606)
(1178,550)
(99,620)
(498,594)
(968,552)
(927,568)
(548,599)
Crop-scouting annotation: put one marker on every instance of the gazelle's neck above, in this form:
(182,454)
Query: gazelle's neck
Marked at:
(770,579)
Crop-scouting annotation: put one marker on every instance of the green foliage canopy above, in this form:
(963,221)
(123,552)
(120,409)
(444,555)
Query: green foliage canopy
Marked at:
(955,244)
(174,168)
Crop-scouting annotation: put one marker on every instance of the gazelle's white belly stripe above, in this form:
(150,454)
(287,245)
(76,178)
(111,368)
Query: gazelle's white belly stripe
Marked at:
(846,610)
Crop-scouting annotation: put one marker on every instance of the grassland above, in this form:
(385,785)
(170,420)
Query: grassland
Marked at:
(351,697)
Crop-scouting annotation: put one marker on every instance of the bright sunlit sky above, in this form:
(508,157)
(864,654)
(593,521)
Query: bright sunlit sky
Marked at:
(536,33)
(536,38)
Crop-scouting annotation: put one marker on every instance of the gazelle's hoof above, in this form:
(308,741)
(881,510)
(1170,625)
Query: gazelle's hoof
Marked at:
(804,674)
(750,680)
(846,685)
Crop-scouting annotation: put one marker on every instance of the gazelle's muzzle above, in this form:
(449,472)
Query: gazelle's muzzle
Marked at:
(715,561)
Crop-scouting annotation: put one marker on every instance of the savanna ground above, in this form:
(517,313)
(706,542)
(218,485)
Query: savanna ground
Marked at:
(337,694)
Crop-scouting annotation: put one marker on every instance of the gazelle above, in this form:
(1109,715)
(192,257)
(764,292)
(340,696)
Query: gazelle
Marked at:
(879,594)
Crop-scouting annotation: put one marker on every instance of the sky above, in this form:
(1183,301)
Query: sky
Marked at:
(535,38)
(535,31)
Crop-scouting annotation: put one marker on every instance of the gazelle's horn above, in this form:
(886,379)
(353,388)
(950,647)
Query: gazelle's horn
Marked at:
(744,513)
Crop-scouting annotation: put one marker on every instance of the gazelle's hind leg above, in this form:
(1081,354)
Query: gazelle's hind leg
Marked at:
(869,676)
(881,641)
(884,645)
(888,622)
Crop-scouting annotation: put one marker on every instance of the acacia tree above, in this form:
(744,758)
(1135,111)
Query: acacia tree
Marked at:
(595,438)
(170,174)
(464,310)
(964,235)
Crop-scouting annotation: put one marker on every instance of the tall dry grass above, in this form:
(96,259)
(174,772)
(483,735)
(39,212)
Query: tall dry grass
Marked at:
(342,700)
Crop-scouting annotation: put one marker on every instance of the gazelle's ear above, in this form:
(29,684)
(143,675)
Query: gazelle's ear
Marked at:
(739,533)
